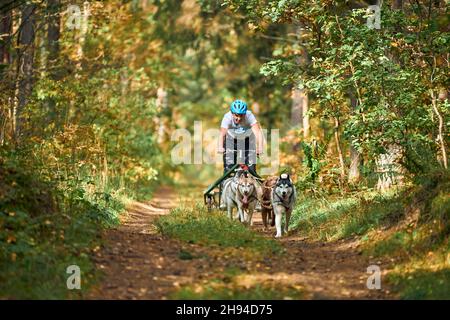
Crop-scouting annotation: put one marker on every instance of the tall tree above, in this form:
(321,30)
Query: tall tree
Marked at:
(5,37)
(25,63)
(354,173)
(300,103)
(5,60)
(53,30)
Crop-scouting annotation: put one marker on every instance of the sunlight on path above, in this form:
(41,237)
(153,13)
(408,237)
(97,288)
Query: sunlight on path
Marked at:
(139,263)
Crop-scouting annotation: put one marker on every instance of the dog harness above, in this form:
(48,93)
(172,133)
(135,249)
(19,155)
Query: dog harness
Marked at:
(281,201)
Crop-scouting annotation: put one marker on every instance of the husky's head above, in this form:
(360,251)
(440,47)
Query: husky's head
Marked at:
(246,183)
(284,187)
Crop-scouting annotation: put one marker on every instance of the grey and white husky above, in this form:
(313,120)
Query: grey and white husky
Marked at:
(242,192)
(283,200)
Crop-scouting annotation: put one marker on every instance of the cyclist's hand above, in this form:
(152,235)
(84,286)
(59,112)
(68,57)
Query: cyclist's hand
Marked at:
(259,152)
(220,150)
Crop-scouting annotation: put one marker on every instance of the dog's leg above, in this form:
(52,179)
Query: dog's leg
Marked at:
(239,215)
(264,217)
(230,211)
(272,217)
(288,217)
(278,216)
(244,217)
(250,215)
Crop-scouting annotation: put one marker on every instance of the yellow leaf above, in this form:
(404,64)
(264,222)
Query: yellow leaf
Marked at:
(10,239)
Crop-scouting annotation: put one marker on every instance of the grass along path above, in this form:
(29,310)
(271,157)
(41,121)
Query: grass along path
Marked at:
(189,254)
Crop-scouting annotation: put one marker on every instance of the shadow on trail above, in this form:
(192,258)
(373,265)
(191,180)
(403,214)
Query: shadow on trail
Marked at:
(139,263)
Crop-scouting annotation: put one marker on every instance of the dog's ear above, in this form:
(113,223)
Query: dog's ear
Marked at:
(284,176)
(276,181)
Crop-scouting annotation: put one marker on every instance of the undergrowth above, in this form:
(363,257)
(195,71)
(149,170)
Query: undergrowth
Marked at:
(197,225)
(47,225)
(410,226)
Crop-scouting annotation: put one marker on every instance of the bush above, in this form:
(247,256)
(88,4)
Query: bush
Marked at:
(46,225)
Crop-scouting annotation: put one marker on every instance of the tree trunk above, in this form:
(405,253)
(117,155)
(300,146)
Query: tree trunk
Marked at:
(305,108)
(355,158)
(53,31)
(440,136)
(389,171)
(299,110)
(83,31)
(5,35)
(338,147)
(26,59)
(354,174)
(5,60)
(397,5)
(52,46)
(161,104)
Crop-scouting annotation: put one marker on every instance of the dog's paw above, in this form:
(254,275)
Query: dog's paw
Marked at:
(278,235)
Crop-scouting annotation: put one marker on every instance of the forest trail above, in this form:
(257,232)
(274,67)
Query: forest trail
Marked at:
(139,263)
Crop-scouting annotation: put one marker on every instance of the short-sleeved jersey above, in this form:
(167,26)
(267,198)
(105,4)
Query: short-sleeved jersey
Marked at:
(246,122)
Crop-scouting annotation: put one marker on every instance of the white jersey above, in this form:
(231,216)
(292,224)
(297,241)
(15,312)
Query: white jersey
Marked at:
(246,122)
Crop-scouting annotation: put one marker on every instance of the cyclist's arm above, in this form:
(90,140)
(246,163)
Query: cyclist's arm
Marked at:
(223,133)
(256,128)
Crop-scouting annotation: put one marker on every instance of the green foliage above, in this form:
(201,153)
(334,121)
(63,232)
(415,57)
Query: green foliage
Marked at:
(410,226)
(313,155)
(197,225)
(389,72)
(422,284)
(45,226)
(89,130)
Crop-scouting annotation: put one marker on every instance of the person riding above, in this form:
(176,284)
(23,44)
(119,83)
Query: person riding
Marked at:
(240,117)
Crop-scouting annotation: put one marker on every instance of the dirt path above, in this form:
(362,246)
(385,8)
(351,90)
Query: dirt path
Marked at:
(138,263)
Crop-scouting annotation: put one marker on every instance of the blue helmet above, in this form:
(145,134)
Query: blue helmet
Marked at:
(238,107)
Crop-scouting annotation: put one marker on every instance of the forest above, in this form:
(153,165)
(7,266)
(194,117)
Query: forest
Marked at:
(353,95)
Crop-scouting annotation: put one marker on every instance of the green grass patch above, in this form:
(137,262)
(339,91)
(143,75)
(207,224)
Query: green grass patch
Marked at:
(338,218)
(197,225)
(422,284)
(216,290)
